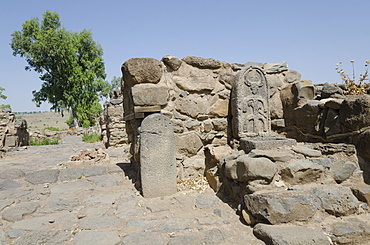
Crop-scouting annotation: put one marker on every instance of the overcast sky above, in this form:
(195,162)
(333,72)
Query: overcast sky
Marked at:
(311,36)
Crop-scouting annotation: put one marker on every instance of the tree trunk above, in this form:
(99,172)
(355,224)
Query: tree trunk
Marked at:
(75,120)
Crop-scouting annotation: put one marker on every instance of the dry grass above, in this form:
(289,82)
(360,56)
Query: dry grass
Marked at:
(198,184)
(40,121)
(353,87)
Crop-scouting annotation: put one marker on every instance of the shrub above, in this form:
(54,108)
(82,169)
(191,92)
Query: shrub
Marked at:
(44,141)
(91,137)
(354,87)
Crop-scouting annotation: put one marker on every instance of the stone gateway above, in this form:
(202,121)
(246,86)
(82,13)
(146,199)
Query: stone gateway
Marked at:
(157,156)
(249,104)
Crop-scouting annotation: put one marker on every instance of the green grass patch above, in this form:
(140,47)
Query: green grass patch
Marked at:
(43,141)
(53,129)
(91,138)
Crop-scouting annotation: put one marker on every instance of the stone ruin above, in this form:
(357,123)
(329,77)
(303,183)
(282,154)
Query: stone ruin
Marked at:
(13,132)
(111,121)
(238,125)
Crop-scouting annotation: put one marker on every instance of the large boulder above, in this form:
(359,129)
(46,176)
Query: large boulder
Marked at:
(337,200)
(246,168)
(150,94)
(302,172)
(282,206)
(142,70)
(355,112)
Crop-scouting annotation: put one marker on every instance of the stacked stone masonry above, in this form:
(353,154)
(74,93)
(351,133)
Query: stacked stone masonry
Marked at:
(13,132)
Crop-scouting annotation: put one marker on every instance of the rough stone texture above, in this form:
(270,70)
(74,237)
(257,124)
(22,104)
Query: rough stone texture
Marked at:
(282,206)
(342,170)
(204,63)
(352,231)
(275,67)
(19,211)
(188,144)
(157,155)
(206,201)
(330,90)
(43,176)
(172,61)
(288,234)
(189,240)
(302,172)
(250,104)
(6,184)
(70,174)
(246,168)
(150,94)
(94,170)
(362,192)
(104,237)
(13,132)
(307,151)
(142,70)
(305,91)
(93,223)
(355,112)
(265,143)
(292,76)
(12,173)
(337,200)
(144,238)
(275,155)
(111,121)
(45,237)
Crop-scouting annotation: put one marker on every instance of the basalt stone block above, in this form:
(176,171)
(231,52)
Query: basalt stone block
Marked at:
(289,234)
(157,156)
(302,172)
(283,206)
(204,63)
(351,231)
(150,94)
(337,200)
(172,61)
(265,143)
(142,70)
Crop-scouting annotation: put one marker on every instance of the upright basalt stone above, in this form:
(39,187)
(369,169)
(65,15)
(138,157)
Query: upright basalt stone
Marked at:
(157,156)
(249,104)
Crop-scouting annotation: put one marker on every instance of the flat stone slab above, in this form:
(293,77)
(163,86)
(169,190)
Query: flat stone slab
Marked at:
(288,234)
(43,176)
(92,237)
(17,212)
(265,143)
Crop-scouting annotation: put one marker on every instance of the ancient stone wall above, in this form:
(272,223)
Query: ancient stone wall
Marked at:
(13,132)
(111,121)
(194,93)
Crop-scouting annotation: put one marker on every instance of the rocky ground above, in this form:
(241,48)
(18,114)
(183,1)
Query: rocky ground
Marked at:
(42,202)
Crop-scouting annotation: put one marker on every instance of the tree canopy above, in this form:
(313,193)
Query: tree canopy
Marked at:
(70,65)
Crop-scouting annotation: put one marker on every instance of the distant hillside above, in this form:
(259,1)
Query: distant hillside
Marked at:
(39,121)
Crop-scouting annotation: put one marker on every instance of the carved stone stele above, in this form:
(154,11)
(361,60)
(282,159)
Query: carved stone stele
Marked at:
(250,104)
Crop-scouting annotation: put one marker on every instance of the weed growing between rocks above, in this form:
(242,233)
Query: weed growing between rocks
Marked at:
(353,87)
(44,141)
(91,137)
(53,129)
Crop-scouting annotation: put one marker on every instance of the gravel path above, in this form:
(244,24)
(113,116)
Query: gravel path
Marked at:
(43,203)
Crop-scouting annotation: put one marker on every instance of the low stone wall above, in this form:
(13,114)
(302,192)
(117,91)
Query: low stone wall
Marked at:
(194,93)
(111,121)
(13,132)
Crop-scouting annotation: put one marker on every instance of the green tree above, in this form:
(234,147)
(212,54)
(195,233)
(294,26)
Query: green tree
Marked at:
(70,65)
(2,96)
(115,83)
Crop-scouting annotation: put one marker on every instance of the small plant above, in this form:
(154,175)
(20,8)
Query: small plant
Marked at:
(91,137)
(18,117)
(353,87)
(44,141)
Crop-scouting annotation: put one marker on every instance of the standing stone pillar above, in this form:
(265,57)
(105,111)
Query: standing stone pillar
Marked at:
(157,156)
(250,104)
